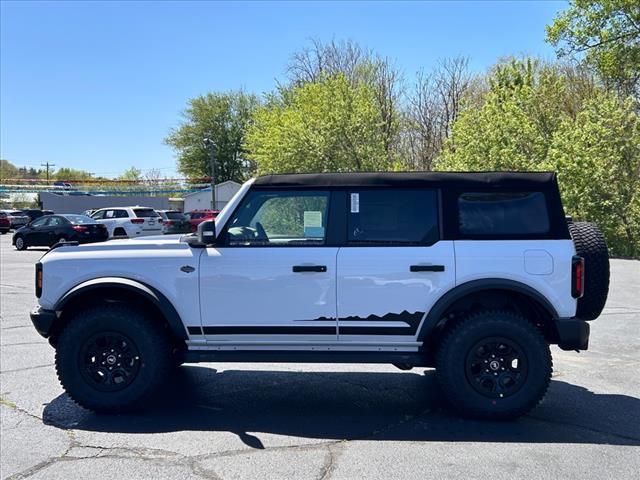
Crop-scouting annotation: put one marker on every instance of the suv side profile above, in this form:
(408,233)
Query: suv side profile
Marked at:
(475,274)
(128,222)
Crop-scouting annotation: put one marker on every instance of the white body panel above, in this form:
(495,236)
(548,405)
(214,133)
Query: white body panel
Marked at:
(255,291)
(154,261)
(378,292)
(544,265)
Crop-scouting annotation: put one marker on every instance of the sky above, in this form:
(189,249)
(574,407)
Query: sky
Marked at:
(98,86)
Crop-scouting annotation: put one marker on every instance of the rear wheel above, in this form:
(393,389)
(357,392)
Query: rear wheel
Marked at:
(495,364)
(120,233)
(112,358)
(21,243)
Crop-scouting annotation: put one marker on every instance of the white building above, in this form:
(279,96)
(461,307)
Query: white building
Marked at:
(201,200)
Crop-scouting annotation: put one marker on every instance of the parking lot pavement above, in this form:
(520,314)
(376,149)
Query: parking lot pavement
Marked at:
(272,421)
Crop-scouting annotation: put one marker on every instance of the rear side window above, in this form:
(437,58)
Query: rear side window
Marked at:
(145,212)
(174,215)
(505,213)
(392,216)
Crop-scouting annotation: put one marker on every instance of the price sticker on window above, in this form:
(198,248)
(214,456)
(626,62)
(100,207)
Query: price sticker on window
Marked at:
(355,203)
(313,224)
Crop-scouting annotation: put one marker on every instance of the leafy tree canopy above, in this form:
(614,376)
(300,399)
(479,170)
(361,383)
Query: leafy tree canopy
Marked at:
(326,125)
(607,34)
(222,118)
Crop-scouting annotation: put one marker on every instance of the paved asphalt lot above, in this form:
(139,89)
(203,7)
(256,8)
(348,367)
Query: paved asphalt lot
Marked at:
(273,421)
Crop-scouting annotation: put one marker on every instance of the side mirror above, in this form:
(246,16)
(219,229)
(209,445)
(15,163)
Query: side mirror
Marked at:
(207,232)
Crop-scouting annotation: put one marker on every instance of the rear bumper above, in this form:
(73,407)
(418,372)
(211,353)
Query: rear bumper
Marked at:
(572,333)
(43,320)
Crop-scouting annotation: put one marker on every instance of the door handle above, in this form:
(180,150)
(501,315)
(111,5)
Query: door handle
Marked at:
(309,268)
(426,268)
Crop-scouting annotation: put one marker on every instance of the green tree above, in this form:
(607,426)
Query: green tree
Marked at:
(222,118)
(514,127)
(8,170)
(598,160)
(132,174)
(320,126)
(71,174)
(606,33)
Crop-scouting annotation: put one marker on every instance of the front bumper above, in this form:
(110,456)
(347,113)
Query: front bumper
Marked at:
(43,320)
(572,333)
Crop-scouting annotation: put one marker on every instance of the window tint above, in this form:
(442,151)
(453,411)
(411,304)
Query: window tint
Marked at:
(174,215)
(397,216)
(506,213)
(55,221)
(39,222)
(145,212)
(280,219)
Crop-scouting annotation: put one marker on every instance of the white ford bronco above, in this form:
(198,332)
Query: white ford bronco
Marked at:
(475,274)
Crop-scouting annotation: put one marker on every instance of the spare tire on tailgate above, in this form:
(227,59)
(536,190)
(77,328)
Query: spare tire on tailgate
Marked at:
(590,245)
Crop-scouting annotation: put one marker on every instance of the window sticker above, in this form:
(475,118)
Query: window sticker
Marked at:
(313,224)
(355,203)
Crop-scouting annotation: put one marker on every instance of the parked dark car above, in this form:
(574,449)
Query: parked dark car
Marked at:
(174,221)
(5,223)
(51,229)
(33,213)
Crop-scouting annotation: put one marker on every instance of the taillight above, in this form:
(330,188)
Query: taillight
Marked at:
(38,279)
(577,277)
(137,220)
(169,222)
(79,228)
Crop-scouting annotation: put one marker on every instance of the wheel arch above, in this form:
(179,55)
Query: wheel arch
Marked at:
(115,289)
(489,293)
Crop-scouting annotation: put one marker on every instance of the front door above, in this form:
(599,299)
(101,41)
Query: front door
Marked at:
(392,268)
(270,281)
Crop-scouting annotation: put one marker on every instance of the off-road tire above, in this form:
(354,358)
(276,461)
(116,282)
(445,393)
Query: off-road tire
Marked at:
(591,245)
(148,337)
(21,245)
(458,343)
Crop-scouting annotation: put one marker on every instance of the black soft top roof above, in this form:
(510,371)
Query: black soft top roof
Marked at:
(526,180)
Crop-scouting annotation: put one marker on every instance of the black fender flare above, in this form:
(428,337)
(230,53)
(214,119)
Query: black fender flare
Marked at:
(147,291)
(443,303)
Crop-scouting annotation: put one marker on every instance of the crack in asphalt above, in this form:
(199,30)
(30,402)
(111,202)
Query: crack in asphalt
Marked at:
(27,368)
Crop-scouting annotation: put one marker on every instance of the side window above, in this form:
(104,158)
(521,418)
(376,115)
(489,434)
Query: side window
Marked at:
(120,214)
(392,216)
(503,213)
(281,218)
(98,215)
(39,222)
(54,222)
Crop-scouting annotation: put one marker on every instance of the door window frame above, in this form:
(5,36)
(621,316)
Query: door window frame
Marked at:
(222,241)
(337,219)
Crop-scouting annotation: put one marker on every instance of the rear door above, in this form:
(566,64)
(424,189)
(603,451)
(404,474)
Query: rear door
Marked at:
(393,267)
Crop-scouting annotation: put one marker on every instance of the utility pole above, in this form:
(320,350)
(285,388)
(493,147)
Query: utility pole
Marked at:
(211,145)
(47,165)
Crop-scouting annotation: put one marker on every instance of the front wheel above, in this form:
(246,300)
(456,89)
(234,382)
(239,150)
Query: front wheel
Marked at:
(112,358)
(495,365)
